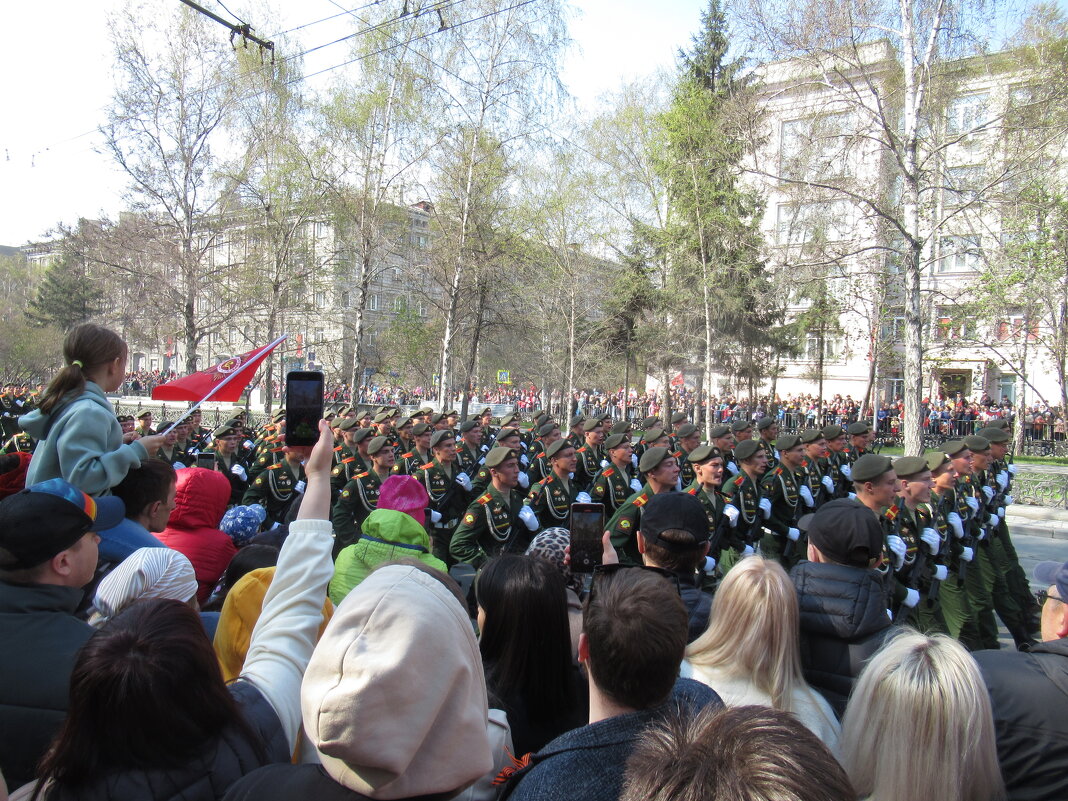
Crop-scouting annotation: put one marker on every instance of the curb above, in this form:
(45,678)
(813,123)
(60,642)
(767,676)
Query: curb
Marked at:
(1052,529)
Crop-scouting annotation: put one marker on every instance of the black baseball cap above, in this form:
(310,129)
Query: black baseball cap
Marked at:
(46,518)
(1047,574)
(674,511)
(845,531)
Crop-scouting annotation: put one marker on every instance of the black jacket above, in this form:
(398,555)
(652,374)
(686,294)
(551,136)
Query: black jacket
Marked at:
(844,621)
(41,638)
(1029,696)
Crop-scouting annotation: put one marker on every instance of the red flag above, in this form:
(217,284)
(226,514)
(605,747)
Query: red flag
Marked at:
(237,372)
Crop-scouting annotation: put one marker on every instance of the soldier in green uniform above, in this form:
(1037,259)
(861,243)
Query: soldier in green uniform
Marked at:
(506,438)
(439,422)
(574,432)
(928,570)
(678,420)
(9,413)
(946,506)
(404,436)
(745,508)
(589,454)
(613,484)
(278,486)
(447,487)
(470,450)
(836,464)
(687,437)
(351,466)
(170,452)
(225,441)
(539,465)
(359,497)
(790,498)
(654,437)
(419,455)
(859,440)
(485,418)
(707,463)
(550,499)
(721,438)
(767,433)
(493,523)
(813,467)
(661,473)
(144,424)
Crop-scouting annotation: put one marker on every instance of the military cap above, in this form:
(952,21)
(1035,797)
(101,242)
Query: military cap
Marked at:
(652,435)
(468,426)
(162,425)
(407,422)
(678,417)
(381,417)
(484,412)
(508,418)
(556,447)
(376,444)
(687,430)
(993,434)
(144,414)
(436,418)
(125,418)
(537,413)
(720,431)
(702,453)
(548,428)
(832,432)
(787,441)
(425,410)
(740,425)
(909,466)
(615,440)
(978,444)
(858,428)
(363,414)
(441,436)
(380,409)
(652,458)
(766,422)
(279,416)
(362,434)
(395,412)
(225,430)
(498,455)
(504,433)
(346,423)
(591,424)
(622,427)
(999,422)
(954,447)
(810,435)
(935,460)
(746,449)
(603,416)
(419,429)
(870,466)
(452,413)
(649,422)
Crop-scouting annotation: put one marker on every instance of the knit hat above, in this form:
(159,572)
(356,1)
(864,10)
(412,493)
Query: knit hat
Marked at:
(146,573)
(551,545)
(397,628)
(243,523)
(404,494)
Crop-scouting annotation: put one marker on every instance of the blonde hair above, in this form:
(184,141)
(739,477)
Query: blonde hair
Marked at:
(919,725)
(753,631)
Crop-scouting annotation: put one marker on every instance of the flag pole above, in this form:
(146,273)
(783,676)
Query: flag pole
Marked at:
(225,381)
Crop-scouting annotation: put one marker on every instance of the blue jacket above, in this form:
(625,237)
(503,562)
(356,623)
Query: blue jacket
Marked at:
(589,763)
(81,441)
(128,536)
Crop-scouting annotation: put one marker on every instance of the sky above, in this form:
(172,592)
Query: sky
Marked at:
(57,66)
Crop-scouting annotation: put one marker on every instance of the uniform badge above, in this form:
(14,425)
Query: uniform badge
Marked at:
(469,518)
(624,523)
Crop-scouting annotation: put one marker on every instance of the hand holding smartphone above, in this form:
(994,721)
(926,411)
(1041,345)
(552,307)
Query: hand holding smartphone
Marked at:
(587,528)
(304,407)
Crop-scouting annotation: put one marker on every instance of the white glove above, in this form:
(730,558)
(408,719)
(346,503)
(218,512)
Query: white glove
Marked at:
(852,496)
(634,460)
(635,485)
(179,466)
(583,497)
(249,443)
(992,520)
(747,551)
(967,554)
(732,467)
(1001,513)
(847,471)
(793,534)
(710,565)
(523,460)
(464,481)
(1003,480)
(806,496)
(604,463)
(827,483)
(1008,499)
(485,448)
(1012,469)
(941,573)
(765,507)
(776,452)
(530,520)
(435,516)
(570,476)
(956,524)
(731,513)
(931,538)
(911,598)
(239,471)
(897,549)
(524,480)
(989,493)
(299,487)
(973,503)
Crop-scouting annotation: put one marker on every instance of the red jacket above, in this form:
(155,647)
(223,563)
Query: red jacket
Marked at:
(193,528)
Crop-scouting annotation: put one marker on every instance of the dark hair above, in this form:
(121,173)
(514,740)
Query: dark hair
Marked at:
(636,628)
(92,345)
(742,753)
(247,559)
(146,692)
(145,485)
(677,562)
(526,641)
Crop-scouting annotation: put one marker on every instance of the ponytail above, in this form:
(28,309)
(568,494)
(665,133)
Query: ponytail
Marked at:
(86,346)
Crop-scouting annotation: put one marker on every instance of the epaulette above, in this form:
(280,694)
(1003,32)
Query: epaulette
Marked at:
(581,450)
(275,466)
(641,500)
(778,471)
(691,491)
(891,513)
(338,448)
(485,499)
(427,466)
(609,471)
(544,481)
(361,475)
(348,459)
(408,455)
(279,449)
(740,480)
(677,454)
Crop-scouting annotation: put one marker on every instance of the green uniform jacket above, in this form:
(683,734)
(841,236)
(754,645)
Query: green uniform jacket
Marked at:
(624,525)
(350,467)
(744,495)
(489,527)
(358,498)
(447,497)
(551,501)
(589,465)
(611,486)
(781,486)
(276,488)
(713,506)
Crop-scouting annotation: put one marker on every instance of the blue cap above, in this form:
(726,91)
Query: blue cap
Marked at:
(1053,573)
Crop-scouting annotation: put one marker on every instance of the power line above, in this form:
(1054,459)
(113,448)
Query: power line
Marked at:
(245,30)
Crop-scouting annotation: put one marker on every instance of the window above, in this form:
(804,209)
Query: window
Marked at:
(1007,387)
(399,304)
(894,327)
(1012,327)
(320,300)
(372,302)
(962,184)
(895,388)
(345,299)
(807,222)
(967,114)
(817,147)
(951,324)
(960,254)
(421,306)
(322,229)
(831,347)
(319,335)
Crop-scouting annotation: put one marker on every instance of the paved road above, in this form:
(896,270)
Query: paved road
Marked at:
(1042,468)
(1031,551)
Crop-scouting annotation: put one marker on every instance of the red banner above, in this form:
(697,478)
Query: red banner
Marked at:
(236,371)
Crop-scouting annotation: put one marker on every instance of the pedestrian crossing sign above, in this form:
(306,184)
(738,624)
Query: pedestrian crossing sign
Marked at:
(504,377)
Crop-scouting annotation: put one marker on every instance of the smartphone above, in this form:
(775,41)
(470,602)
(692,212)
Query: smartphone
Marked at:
(206,460)
(587,528)
(304,407)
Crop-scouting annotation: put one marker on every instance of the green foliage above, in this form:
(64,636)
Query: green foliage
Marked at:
(68,296)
